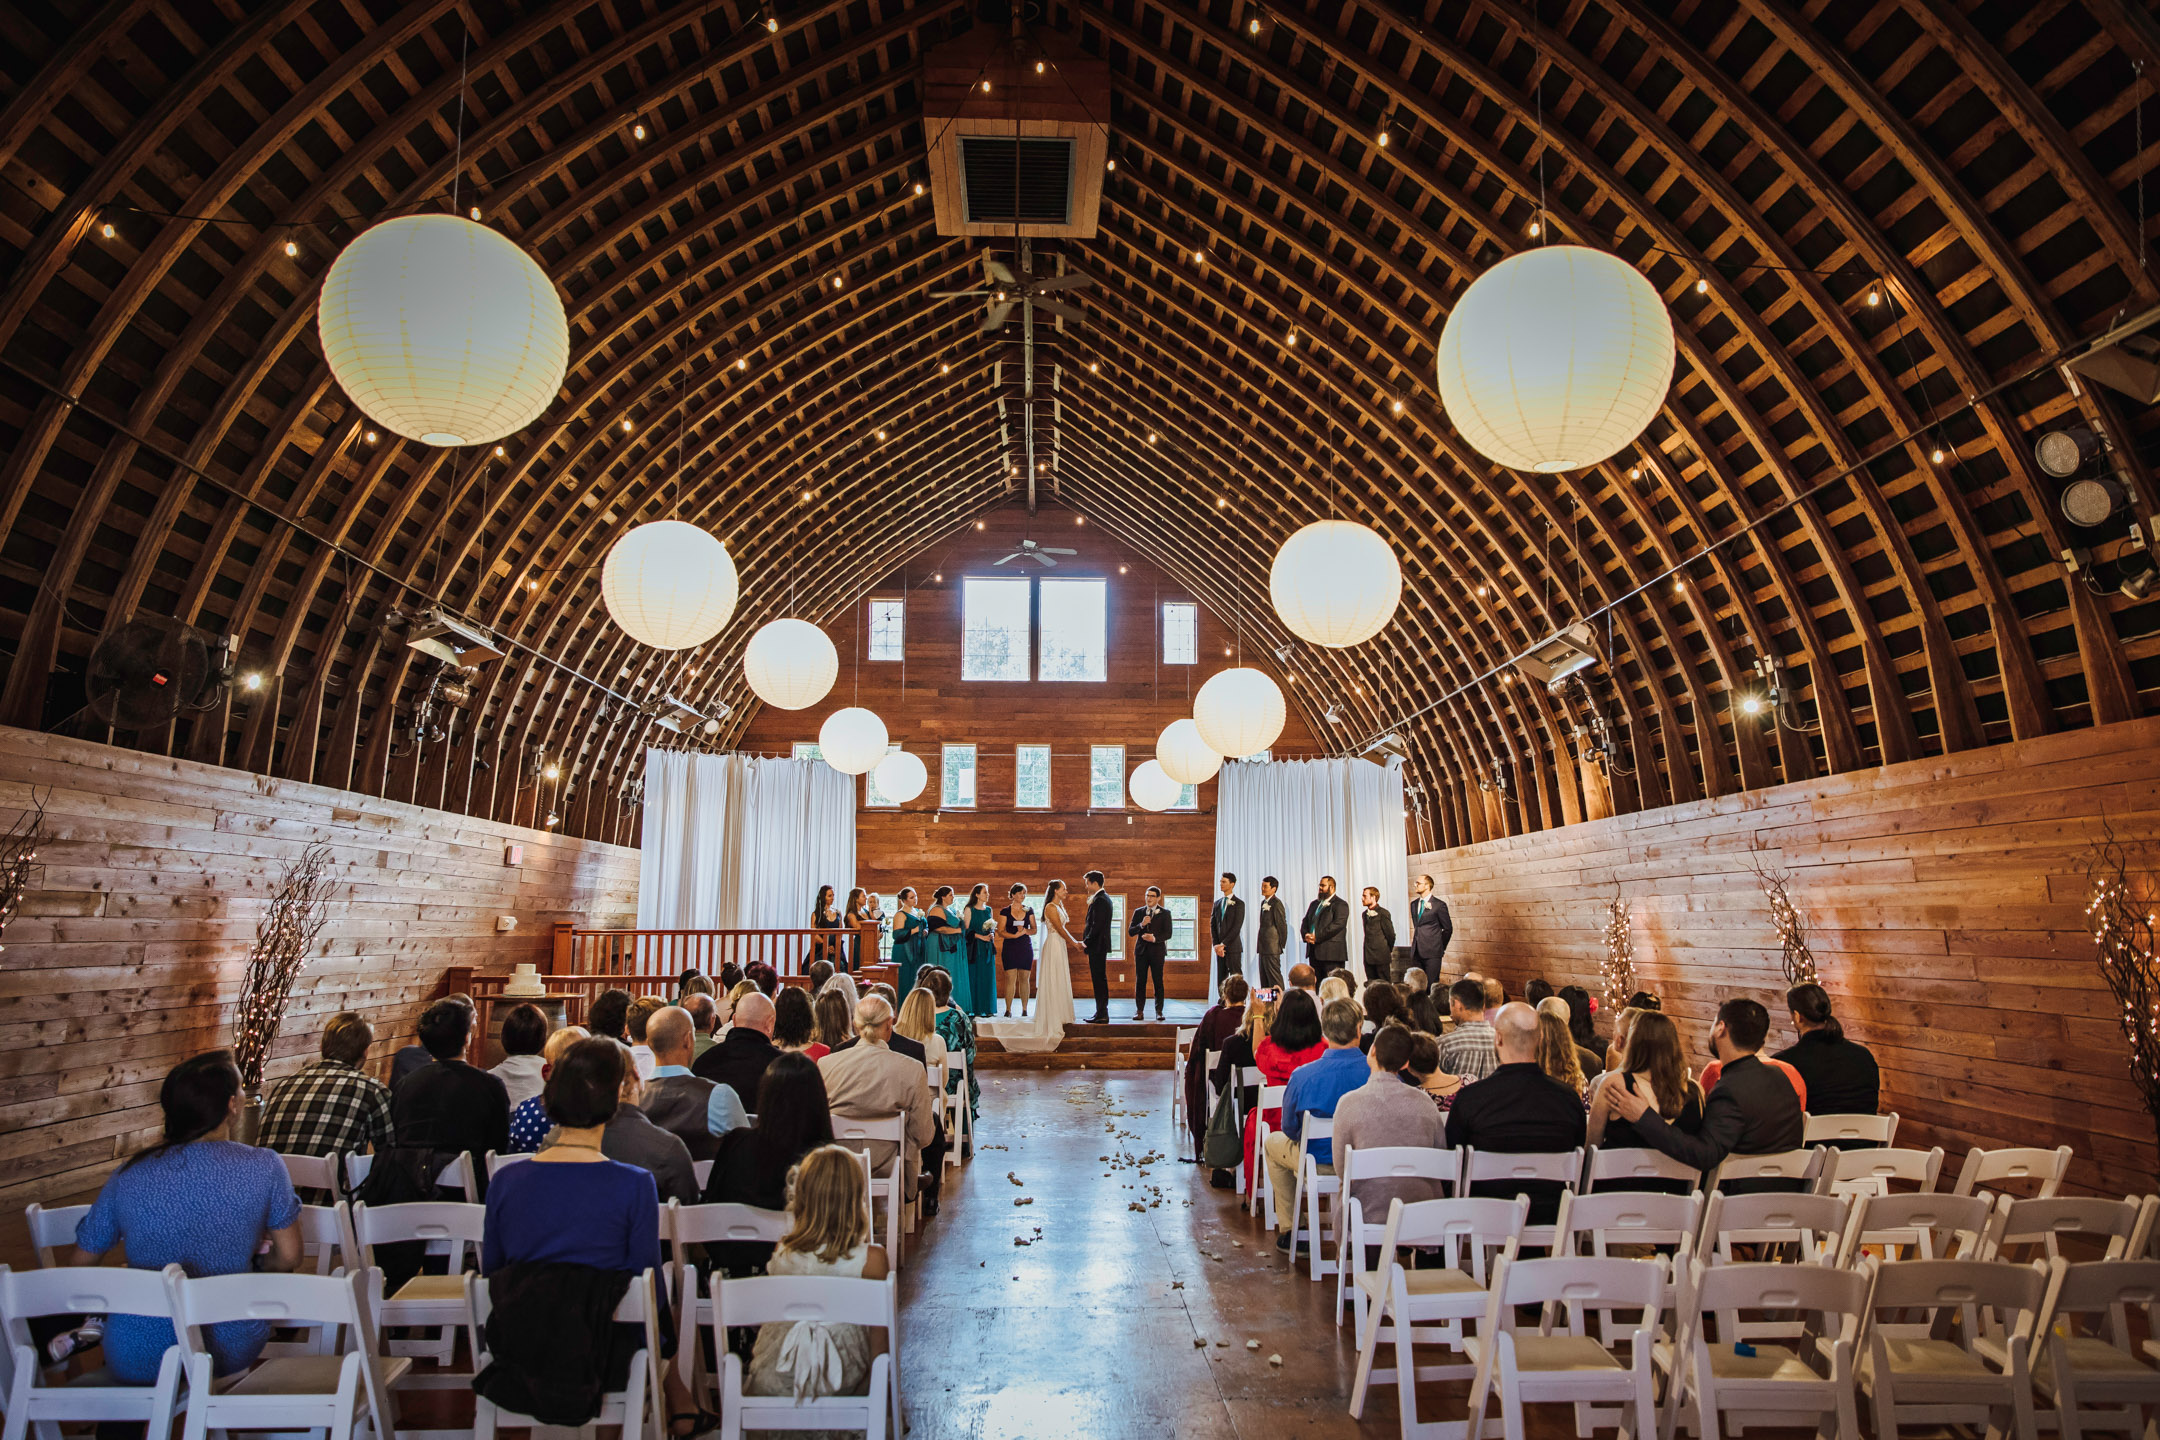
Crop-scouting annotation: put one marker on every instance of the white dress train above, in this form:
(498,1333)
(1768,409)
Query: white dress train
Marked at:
(1044,1029)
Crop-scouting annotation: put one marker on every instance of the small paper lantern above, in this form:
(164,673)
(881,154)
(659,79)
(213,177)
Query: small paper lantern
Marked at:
(669,585)
(1152,789)
(1184,756)
(790,664)
(900,776)
(1555,358)
(444,331)
(852,740)
(1238,712)
(1335,583)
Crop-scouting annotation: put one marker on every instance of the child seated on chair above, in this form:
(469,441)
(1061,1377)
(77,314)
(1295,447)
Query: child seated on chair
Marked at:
(830,1235)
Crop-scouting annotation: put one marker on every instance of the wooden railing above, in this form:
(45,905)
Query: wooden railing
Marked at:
(665,954)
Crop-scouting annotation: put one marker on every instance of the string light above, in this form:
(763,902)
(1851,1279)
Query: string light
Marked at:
(1383,139)
(553,772)
(500,453)
(372,437)
(1533,229)
(945,369)
(1785,919)
(1618,966)
(252,681)
(637,132)
(1111,165)
(1150,437)
(743,363)
(1079,519)
(1702,287)
(880,434)
(1937,456)
(474,212)
(1038,67)
(772,26)
(1252,26)
(918,187)
(291,249)
(1874,295)
(986,87)
(1093,367)
(626,427)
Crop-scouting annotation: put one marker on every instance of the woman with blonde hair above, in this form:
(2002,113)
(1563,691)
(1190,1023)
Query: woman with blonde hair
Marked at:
(828,1234)
(918,1022)
(1333,988)
(1556,1051)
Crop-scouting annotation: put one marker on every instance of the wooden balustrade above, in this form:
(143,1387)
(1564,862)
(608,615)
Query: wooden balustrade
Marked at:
(666,954)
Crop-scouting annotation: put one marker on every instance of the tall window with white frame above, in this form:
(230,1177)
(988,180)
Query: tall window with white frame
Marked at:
(1075,629)
(1184,926)
(888,629)
(1106,777)
(957,791)
(1180,633)
(1031,777)
(994,629)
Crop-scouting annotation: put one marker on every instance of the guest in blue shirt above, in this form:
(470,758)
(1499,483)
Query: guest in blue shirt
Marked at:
(529,1123)
(1314,1087)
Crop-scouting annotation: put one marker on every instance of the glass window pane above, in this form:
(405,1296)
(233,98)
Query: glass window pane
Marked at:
(1117,923)
(994,629)
(1180,633)
(1184,926)
(1031,783)
(873,797)
(1188,798)
(808,750)
(888,629)
(1106,777)
(1075,630)
(959,786)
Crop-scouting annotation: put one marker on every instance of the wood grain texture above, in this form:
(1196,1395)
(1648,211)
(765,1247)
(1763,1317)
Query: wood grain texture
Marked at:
(1945,905)
(127,957)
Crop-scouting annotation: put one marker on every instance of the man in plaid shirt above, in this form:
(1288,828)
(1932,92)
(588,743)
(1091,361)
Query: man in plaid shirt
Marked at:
(332,1106)
(1468,1050)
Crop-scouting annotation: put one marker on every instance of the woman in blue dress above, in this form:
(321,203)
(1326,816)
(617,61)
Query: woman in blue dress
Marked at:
(1016,951)
(981,955)
(946,931)
(910,938)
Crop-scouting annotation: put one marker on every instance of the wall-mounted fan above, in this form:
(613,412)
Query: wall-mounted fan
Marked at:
(1040,554)
(149,670)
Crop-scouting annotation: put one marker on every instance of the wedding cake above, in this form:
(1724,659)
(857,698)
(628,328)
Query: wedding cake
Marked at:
(524,984)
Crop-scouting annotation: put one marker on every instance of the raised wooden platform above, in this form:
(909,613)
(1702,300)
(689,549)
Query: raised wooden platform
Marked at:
(1127,1045)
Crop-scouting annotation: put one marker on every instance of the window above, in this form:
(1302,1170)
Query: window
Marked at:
(874,798)
(1075,630)
(1106,777)
(888,629)
(1184,926)
(1117,920)
(808,750)
(1188,799)
(1031,778)
(958,791)
(1180,633)
(994,629)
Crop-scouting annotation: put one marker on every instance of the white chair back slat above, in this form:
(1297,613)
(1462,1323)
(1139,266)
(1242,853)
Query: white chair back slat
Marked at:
(1630,1163)
(286,1393)
(1852,1129)
(1930,1227)
(638,1408)
(2025,1225)
(720,1223)
(2044,1169)
(1858,1173)
(52,1227)
(817,1299)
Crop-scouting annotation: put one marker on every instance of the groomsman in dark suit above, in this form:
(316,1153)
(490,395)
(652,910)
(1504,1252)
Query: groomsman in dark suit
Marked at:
(1431,929)
(1096,939)
(1274,934)
(1226,927)
(1381,960)
(1150,928)
(1326,924)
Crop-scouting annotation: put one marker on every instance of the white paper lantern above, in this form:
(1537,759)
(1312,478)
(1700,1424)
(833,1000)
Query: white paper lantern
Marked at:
(443,330)
(790,664)
(1555,358)
(669,585)
(900,776)
(1152,789)
(852,740)
(1238,712)
(1335,583)
(1184,756)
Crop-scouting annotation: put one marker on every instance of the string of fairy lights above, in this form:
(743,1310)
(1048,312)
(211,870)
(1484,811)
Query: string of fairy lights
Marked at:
(1618,967)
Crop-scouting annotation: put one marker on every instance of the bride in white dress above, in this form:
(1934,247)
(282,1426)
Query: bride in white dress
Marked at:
(1045,1029)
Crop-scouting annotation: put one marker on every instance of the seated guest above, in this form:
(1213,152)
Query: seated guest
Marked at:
(1716,1068)
(1222,1021)
(818,973)
(332,1106)
(1423,1070)
(447,1104)
(1752,1110)
(898,1043)
(743,1053)
(571,1205)
(1386,1112)
(1518,1110)
(1302,977)
(1293,1040)
(1657,1067)
(524,1036)
(529,1124)
(829,1235)
(1587,1062)
(1838,1076)
(794,1022)
(631,1137)
(835,1019)
(1424,1015)
(704,1013)
(1335,987)
(729,977)
(1381,1003)
(635,1019)
(198,1199)
(762,975)
(411,1057)
(1581,1010)
(608,1017)
(691,982)
(695,1110)
(1313,1089)
(957,1028)
(1616,1052)
(918,1022)
(1556,1049)
(1536,990)
(868,1080)
(1644,1000)
(1467,1050)
(794,1117)
(1238,1053)
(1495,994)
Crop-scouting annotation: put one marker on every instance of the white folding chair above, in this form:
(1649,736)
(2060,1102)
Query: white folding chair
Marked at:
(856,1135)
(1355,1234)
(1851,1129)
(2089,1368)
(1803,1165)
(311,1172)
(959,1113)
(496,1164)
(1261,1200)
(1311,1189)
(1570,1366)
(326,1238)
(639,1407)
(50,1400)
(456,1173)
(2035,1228)
(810,1300)
(1768,1383)
(1855,1174)
(339,1392)
(1181,1059)
(52,1228)
(1931,1227)
(434,1302)
(1630,1165)
(1564,1167)
(1815,1224)
(707,1225)
(1934,1372)
(1432,1306)
(1243,1078)
(1992,1167)
(701,1171)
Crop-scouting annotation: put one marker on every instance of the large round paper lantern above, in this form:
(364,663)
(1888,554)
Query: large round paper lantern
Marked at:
(1153,790)
(669,585)
(1335,583)
(852,740)
(1184,756)
(443,330)
(1555,358)
(900,776)
(790,664)
(1238,712)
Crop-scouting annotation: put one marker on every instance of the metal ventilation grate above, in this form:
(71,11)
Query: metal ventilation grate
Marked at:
(1043,172)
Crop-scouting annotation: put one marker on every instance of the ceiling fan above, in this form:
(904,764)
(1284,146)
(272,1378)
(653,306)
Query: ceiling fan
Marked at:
(1041,554)
(1003,291)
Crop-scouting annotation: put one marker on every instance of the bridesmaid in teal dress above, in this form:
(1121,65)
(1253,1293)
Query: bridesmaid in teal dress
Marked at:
(944,944)
(981,955)
(910,939)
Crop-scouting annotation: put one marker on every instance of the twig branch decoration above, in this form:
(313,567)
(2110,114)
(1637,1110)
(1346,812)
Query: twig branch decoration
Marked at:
(19,867)
(1619,963)
(283,938)
(1785,918)
(2122,913)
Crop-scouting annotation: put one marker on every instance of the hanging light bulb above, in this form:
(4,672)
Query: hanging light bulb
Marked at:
(1874,294)
(918,187)
(1383,139)
(1702,287)
(637,132)
(1111,165)
(1533,229)
(107,230)
(772,26)
(1252,26)
(292,249)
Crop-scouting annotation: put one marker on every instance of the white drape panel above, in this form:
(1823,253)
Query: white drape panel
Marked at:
(734,842)
(1300,819)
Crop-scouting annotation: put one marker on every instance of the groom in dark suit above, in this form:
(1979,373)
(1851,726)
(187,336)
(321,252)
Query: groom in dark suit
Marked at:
(1096,939)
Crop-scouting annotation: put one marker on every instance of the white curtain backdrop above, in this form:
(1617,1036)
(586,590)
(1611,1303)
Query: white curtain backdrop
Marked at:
(735,842)
(1300,819)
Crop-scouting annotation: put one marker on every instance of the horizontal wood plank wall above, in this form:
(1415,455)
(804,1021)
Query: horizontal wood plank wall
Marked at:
(128,956)
(1945,904)
(994,843)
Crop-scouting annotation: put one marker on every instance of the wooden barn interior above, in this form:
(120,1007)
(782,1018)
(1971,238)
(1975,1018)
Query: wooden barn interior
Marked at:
(1849,639)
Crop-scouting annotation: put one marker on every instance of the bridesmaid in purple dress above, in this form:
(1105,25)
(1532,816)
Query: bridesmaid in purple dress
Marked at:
(1016,951)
